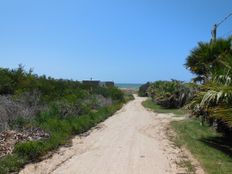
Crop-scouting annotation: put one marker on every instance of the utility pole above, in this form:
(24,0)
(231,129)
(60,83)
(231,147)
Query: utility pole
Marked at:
(214,32)
(215,27)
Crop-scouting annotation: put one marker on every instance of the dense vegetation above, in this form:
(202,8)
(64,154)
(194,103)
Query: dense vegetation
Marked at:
(209,101)
(62,108)
(21,90)
(170,94)
(143,90)
(209,97)
(212,63)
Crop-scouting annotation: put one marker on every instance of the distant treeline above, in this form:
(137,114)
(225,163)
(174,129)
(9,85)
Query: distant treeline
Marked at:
(18,81)
(25,94)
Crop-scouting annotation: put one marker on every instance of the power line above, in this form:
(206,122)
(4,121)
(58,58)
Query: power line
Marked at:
(215,27)
(224,19)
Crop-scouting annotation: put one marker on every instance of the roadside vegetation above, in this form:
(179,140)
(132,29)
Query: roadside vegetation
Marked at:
(143,90)
(212,149)
(159,109)
(61,108)
(208,100)
(212,63)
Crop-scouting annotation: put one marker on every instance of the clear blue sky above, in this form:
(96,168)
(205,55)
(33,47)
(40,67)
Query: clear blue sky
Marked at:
(121,40)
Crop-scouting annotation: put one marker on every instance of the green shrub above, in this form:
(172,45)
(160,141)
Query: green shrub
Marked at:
(170,94)
(20,123)
(143,90)
(31,149)
(11,163)
(128,97)
(212,64)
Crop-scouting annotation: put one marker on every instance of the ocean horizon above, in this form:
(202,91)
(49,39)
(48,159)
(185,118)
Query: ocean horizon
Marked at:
(128,85)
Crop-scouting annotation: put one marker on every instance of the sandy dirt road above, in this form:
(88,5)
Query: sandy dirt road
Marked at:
(133,141)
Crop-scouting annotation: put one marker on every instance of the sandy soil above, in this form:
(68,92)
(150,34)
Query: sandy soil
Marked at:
(133,141)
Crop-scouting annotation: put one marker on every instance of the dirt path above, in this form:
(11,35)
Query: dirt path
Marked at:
(133,141)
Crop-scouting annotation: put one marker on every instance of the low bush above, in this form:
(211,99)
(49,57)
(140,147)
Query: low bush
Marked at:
(171,94)
(31,149)
(11,163)
(24,94)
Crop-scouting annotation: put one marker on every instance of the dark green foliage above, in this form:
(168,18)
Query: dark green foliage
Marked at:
(116,94)
(111,92)
(29,94)
(19,81)
(170,94)
(213,104)
(213,62)
(20,123)
(6,82)
(143,90)
(208,58)
(11,163)
(31,149)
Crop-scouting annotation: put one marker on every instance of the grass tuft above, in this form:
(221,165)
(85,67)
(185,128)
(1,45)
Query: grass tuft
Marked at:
(11,163)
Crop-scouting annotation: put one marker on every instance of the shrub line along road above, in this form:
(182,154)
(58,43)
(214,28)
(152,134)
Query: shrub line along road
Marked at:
(133,141)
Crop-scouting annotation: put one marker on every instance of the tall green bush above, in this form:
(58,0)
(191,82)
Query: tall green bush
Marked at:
(170,94)
(213,102)
(143,90)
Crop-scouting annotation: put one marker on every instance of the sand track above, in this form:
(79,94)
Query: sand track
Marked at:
(133,141)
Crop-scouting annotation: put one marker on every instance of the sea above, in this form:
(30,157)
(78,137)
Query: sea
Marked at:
(128,85)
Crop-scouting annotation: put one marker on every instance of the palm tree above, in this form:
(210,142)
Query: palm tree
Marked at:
(213,103)
(212,63)
(207,58)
